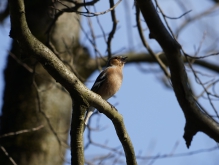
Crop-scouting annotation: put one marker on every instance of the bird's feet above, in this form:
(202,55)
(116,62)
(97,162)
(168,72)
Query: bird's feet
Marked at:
(112,106)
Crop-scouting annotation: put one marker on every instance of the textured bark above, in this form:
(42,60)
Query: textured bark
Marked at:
(77,129)
(23,109)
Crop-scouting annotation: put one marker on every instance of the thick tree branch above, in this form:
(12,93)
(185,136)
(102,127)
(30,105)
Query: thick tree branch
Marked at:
(30,45)
(196,120)
(77,146)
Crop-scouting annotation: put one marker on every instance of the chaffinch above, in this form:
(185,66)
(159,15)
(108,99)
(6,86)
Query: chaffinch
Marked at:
(108,82)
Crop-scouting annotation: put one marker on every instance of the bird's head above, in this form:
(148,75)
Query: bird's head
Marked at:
(117,61)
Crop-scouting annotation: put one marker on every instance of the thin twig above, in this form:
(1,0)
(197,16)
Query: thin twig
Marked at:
(179,16)
(90,40)
(6,154)
(22,131)
(87,13)
(21,63)
(92,14)
(101,27)
(166,22)
(113,16)
(201,57)
(179,154)
(206,91)
(196,17)
(146,45)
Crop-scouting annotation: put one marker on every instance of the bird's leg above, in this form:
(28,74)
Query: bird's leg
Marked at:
(112,106)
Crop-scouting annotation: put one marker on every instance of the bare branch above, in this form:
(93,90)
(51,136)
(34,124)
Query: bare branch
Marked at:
(196,17)
(206,91)
(22,131)
(146,45)
(6,154)
(87,13)
(159,156)
(144,57)
(201,57)
(113,16)
(178,16)
(78,92)
(196,120)
(77,129)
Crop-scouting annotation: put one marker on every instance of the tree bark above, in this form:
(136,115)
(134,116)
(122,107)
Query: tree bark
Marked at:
(32,97)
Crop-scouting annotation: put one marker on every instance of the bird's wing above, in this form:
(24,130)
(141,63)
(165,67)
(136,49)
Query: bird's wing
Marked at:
(100,79)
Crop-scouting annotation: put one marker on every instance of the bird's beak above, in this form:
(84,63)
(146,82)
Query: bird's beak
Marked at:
(123,59)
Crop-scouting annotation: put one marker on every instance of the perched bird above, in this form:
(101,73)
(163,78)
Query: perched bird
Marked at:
(108,82)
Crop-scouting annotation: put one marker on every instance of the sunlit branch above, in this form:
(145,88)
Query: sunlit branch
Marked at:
(54,66)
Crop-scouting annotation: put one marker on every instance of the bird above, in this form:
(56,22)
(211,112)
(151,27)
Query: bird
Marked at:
(108,82)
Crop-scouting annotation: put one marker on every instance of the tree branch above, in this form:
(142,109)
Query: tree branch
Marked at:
(113,31)
(196,17)
(196,120)
(144,57)
(146,45)
(30,45)
(77,127)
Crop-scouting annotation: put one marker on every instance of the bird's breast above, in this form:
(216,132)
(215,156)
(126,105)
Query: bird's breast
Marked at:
(112,84)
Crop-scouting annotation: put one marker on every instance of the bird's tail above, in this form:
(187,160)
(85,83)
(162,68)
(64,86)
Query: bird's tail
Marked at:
(88,115)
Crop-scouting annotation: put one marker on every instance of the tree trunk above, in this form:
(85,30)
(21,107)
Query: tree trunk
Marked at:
(33,98)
